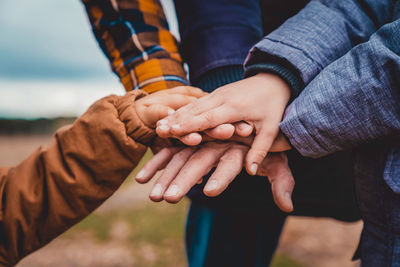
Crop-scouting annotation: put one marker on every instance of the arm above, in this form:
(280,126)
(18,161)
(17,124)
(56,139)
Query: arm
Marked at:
(135,38)
(322,32)
(58,186)
(353,101)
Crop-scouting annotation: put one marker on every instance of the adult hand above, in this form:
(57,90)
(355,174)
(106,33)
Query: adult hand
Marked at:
(259,101)
(185,166)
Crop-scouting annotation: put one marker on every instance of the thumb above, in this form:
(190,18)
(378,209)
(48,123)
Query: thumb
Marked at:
(281,178)
(154,113)
(259,149)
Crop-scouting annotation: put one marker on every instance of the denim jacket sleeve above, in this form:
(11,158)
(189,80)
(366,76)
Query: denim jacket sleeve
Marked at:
(320,33)
(354,100)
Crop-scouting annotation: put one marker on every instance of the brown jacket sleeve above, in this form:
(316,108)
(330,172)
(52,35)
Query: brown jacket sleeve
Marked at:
(58,186)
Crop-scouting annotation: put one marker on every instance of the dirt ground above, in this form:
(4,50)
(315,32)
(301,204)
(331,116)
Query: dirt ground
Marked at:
(128,230)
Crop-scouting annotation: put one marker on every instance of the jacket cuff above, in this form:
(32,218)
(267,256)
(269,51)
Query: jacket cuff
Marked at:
(155,75)
(135,128)
(299,137)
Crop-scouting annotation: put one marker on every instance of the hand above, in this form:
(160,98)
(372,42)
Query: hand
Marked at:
(186,166)
(259,101)
(156,106)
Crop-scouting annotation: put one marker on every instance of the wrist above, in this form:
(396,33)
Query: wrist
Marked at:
(275,83)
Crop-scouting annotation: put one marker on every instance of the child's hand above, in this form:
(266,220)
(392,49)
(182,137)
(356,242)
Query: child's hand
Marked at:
(156,106)
(259,100)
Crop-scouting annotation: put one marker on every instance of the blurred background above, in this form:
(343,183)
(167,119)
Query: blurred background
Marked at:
(51,70)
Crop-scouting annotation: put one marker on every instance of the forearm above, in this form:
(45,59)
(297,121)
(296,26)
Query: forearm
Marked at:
(58,186)
(135,38)
(353,101)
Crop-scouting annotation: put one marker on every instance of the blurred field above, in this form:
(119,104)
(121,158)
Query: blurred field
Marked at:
(129,230)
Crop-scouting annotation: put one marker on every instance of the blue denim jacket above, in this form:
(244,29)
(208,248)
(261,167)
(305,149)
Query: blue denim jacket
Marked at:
(347,53)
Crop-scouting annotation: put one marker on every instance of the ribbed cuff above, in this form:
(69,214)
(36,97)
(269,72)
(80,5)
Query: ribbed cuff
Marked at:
(284,72)
(213,79)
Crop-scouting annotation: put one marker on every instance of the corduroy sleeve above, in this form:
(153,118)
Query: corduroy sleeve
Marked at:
(134,36)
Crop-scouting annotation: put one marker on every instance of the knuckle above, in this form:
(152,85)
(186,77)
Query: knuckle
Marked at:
(194,106)
(208,117)
(231,157)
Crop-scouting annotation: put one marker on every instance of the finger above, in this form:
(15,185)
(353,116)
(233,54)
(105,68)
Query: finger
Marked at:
(243,129)
(174,101)
(171,170)
(229,166)
(243,140)
(192,139)
(280,144)
(276,168)
(185,90)
(259,149)
(221,132)
(282,184)
(156,163)
(155,112)
(199,164)
(207,120)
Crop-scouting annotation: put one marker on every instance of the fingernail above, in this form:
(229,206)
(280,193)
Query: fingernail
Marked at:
(194,137)
(141,174)
(171,111)
(163,122)
(163,128)
(287,196)
(253,168)
(172,191)
(157,190)
(211,185)
(175,126)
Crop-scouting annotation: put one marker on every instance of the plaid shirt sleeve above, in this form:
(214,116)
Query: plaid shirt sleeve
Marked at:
(134,36)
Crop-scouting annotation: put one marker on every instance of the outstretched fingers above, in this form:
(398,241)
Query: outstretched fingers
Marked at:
(172,169)
(199,164)
(229,166)
(156,163)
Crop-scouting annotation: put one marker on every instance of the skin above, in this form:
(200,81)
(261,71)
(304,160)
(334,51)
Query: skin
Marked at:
(259,101)
(185,166)
(156,106)
(195,162)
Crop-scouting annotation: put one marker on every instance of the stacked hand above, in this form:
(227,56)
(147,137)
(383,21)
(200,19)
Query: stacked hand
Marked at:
(259,101)
(247,113)
(185,166)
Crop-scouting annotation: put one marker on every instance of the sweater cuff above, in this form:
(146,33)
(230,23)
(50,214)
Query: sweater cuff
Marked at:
(259,61)
(285,73)
(218,77)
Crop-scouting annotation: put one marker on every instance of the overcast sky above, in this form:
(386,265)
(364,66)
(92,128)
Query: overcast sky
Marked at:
(48,57)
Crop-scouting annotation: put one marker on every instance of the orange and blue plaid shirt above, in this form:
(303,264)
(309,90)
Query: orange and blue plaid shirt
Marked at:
(134,36)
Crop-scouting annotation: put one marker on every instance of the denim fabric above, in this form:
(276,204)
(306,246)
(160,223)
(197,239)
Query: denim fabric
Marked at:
(222,238)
